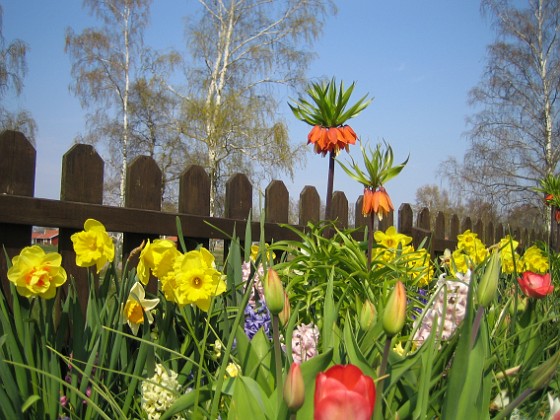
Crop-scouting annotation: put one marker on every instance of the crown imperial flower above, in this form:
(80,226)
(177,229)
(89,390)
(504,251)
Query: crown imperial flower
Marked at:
(327,112)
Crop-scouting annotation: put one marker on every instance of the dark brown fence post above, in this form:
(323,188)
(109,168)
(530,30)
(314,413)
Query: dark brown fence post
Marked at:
(386,222)
(82,181)
(309,206)
(17,177)
(360,221)
(194,198)
(143,191)
(454,228)
(466,225)
(339,209)
(498,232)
(276,202)
(405,219)
(479,230)
(423,231)
(239,202)
(239,197)
(489,234)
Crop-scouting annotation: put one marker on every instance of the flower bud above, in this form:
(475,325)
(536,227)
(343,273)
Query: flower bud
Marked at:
(394,314)
(284,316)
(520,307)
(489,283)
(368,315)
(541,375)
(294,388)
(274,292)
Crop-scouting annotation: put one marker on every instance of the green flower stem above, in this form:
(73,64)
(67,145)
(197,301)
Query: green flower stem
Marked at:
(378,410)
(370,241)
(277,358)
(330,181)
(476,325)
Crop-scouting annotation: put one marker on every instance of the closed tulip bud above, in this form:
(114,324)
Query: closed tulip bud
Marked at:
(394,314)
(543,374)
(489,283)
(368,315)
(520,307)
(294,388)
(284,316)
(273,292)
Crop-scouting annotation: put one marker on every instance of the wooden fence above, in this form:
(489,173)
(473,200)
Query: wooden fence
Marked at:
(81,196)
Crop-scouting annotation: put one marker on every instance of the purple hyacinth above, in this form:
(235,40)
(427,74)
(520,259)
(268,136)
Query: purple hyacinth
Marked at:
(255,319)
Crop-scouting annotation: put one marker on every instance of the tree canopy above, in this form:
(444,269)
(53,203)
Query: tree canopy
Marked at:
(514,133)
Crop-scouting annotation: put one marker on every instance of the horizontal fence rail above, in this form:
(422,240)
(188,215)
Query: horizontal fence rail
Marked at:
(141,218)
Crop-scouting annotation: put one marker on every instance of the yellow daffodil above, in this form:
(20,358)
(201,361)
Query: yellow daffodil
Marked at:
(391,238)
(158,258)
(93,246)
(136,306)
(194,280)
(509,258)
(255,250)
(36,273)
(534,260)
(233,369)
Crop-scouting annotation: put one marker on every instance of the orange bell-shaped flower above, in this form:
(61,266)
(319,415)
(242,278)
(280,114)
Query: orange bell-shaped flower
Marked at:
(377,202)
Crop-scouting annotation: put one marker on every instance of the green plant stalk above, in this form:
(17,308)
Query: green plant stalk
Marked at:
(330,182)
(378,410)
(201,348)
(277,359)
(219,383)
(476,325)
(370,242)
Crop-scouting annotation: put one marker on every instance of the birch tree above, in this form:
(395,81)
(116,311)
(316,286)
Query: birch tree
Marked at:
(243,53)
(13,67)
(514,136)
(104,64)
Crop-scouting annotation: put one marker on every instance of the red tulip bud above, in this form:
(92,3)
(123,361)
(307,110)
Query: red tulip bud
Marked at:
(294,388)
(368,315)
(284,316)
(273,292)
(394,314)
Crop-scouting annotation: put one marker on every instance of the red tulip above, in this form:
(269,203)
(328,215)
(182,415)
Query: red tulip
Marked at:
(535,285)
(344,392)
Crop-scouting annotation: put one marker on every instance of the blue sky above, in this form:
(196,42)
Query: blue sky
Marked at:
(418,59)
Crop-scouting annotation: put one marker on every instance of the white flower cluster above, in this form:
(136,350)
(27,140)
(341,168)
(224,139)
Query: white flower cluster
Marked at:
(159,392)
(304,342)
(449,306)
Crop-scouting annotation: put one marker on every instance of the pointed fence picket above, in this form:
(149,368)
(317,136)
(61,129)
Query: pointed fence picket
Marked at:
(141,218)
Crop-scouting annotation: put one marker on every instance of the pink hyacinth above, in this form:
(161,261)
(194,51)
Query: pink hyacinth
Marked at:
(304,342)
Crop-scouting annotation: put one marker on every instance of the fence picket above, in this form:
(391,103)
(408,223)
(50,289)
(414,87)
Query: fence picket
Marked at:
(142,218)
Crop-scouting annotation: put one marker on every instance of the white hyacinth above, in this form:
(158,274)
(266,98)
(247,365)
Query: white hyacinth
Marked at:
(159,392)
(449,305)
